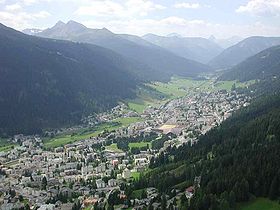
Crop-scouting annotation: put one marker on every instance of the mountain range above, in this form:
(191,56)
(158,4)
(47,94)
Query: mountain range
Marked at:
(226,42)
(194,48)
(243,50)
(53,77)
(263,65)
(48,83)
(157,63)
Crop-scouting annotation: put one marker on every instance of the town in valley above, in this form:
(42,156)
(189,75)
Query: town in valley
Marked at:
(99,170)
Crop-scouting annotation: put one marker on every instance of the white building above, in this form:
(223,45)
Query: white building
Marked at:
(100,183)
(126,174)
(112,183)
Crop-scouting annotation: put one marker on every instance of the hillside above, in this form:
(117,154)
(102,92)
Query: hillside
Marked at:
(226,158)
(194,48)
(264,65)
(243,50)
(226,42)
(50,83)
(157,63)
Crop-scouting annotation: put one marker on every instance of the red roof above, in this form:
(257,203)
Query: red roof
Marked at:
(190,189)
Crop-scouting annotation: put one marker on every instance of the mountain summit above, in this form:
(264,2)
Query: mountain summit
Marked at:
(52,83)
(243,50)
(157,63)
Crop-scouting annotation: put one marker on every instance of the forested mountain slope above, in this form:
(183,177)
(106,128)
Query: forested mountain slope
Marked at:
(236,160)
(157,63)
(49,83)
(261,66)
(194,48)
(243,50)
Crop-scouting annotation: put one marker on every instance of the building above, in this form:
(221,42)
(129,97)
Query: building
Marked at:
(100,183)
(112,183)
(126,174)
(190,192)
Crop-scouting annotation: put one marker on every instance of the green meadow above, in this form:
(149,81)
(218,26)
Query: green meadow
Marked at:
(113,148)
(260,204)
(152,94)
(139,144)
(157,93)
(64,139)
(5,145)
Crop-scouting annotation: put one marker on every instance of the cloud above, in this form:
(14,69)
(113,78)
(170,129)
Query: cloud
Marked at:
(21,20)
(127,8)
(261,8)
(19,17)
(100,8)
(41,14)
(13,7)
(190,28)
(159,26)
(186,5)
(31,2)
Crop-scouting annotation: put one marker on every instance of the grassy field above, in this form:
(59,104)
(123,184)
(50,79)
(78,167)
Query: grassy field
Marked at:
(113,148)
(159,93)
(139,107)
(127,120)
(152,94)
(260,204)
(139,144)
(87,133)
(146,96)
(135,175)
(137,194)
(6,148)
(227,85)
(179,87)
(89,208)
(5,145)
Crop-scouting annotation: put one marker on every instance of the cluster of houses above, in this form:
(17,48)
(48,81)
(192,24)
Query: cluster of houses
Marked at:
(53,179)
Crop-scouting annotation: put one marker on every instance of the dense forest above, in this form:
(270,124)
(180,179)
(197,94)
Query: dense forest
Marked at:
(235,161)
(243,50)
(157,63)
(49,83)
(261,66)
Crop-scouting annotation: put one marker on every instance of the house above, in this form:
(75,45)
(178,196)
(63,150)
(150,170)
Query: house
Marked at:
(141,161)
(25,180)
(47,207)
(66,206)
(112,183)
(100,183)
(126,174)
(115,162)
(190,192)
(90,201)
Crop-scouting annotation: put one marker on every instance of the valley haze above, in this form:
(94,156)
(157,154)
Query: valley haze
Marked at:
(139,104)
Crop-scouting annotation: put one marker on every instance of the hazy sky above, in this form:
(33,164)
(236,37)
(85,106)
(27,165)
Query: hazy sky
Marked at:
(222,18)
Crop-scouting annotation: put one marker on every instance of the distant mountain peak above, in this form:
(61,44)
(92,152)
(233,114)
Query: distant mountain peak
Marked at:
(59,24)
(73,23)
(105,29)
(174,35)
(243,50)
(212,38)
(62,28)
(32,31)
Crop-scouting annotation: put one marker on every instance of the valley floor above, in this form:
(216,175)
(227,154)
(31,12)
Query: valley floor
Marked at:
(260,204)
(114,148)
